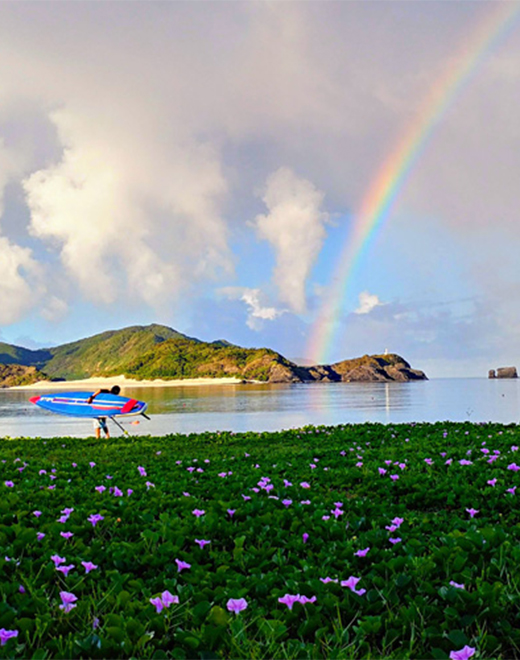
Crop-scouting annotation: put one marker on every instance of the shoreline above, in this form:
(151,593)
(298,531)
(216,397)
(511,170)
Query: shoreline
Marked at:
(122,381)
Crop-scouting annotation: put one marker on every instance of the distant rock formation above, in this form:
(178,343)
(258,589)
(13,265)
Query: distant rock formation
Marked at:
(503,372)
(369,368)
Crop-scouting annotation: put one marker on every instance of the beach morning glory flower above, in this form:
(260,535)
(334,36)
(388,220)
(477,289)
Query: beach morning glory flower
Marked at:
(362,553)
(37,513)
(381,470)
(327,579)
(397,521)
(472,512)
(391,528)
(351,584)
(68,601)
(304,600)
(287,502)
(236,605)
(9,484)
(202,542)
(66,535)
(514,467)
(457,585)
(157,603)
(88,566)
(181,565)
(289,600)
(118,492)
(142,471)
(58,560)
(305,537)
(198,512)
(168,599)
(6,635)
(394,477)
(231,512)
(492,482)
(65,569)
(512,490)
(100,489)
(396,540)
(40,536)
(95,518)
(462,654)
(304,484)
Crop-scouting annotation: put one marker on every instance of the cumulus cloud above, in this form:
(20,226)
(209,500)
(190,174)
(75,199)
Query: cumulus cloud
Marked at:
(295,227)
(367,302)
(258,309)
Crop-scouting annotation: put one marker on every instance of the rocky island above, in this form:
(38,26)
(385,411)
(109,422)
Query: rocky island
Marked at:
(159,352)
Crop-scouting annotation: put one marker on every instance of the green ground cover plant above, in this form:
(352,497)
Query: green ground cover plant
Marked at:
(355,541)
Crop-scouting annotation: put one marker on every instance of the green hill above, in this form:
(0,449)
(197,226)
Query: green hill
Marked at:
(156,351)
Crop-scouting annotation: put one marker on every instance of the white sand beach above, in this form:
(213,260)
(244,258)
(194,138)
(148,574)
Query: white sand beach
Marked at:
(122,381)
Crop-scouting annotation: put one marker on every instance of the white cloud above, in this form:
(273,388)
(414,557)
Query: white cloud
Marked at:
(367,302)
(258,310)
(295,228)
(19,281)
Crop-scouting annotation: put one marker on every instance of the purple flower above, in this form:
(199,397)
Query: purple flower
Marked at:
(463,654)
(289,600)
(198,512)
(327,579)
(511,490)
(396,540)
(68,601)
(287,483)
(37,513)
(63,519)
(88,566)
(381,470)
(58,560)
(394,477)
(40,536)
(91,464)
(157,602)
(492,482)
(181,565)
(304,600)
(231,512)
(287,503)
(66,535)
(202,542)
(304,484)
(351,584)
(6,635)
(245,497)
(397,521)
(472,512)
(118,492)
(514,467)
(9,484)
(65,569)
(21,589)
(100,489)
(337,512)
(236,605)
(168,599)
(456,585)
(391,528)
(305,537)
(142,471)
(362,553)
(95,518)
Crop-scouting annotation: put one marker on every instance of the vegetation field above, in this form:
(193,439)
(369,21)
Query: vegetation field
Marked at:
(359,541)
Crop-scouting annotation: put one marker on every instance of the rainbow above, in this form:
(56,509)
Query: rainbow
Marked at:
(378,203)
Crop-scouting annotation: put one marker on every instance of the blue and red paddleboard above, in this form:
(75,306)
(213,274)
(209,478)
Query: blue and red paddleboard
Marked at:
(76,404)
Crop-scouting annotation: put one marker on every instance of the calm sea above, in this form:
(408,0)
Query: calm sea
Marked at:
(276,407)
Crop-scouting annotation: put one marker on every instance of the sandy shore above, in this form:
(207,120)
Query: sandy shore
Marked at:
(122,381)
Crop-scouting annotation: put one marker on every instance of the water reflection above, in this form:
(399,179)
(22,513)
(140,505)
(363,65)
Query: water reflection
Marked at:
(275,407)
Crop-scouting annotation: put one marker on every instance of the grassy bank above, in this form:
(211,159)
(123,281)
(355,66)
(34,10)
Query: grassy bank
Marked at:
(400,541)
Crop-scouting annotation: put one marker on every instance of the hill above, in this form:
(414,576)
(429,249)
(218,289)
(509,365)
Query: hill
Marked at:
(157,351)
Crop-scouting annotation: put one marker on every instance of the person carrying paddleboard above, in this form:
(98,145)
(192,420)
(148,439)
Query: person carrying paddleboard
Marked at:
(100,423)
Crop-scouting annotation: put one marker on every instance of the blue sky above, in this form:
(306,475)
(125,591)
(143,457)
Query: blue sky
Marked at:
(200,165)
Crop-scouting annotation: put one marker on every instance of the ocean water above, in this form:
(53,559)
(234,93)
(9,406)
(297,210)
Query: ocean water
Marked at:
(276,407)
